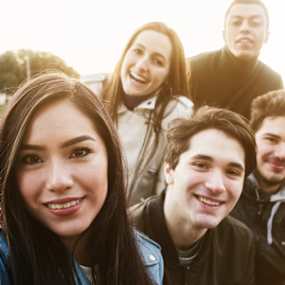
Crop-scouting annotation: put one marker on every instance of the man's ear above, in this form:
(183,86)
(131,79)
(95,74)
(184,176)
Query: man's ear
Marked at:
(168,174)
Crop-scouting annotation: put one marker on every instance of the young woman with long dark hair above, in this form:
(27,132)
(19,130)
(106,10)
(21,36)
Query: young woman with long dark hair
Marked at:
(63,193)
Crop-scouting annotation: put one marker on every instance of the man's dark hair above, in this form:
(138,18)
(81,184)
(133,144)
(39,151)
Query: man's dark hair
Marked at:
(257,2)
(271,104)
(230,123)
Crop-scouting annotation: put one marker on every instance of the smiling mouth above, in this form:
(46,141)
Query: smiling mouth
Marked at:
(278,167)
(64,205)
(138,78)
(276,163)
(208,201)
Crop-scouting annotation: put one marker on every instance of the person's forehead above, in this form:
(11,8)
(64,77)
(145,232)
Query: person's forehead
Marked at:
(216,145)
(272,125)
(246,11)
(155,41)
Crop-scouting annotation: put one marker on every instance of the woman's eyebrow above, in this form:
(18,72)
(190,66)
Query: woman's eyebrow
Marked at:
(77,140)
(31,147)
(63,145)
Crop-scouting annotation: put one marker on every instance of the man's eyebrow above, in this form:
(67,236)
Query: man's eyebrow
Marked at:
(249,17)
(209,158)
(63,145)
(203,157)
(236,165)
(271,135)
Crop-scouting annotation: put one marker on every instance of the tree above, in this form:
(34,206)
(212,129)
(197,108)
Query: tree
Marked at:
(18,66)
(10,74)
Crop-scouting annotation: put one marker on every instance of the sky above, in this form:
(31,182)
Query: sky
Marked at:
(89,35)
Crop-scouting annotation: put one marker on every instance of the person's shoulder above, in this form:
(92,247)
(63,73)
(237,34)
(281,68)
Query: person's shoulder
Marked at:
(96,82)
(136,212)
(203,57)
(270,73)
(232,235)
(183,103)
(3,244)
(150,250)
(178,107)
(269,69)
(237,229)
(147,243)
(151,255)
(4,279)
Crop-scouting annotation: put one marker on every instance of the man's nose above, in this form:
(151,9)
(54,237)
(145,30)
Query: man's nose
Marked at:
(215,182)
(245,27)
(59,177)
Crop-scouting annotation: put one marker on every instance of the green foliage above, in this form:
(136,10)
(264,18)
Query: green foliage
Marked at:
(17,66)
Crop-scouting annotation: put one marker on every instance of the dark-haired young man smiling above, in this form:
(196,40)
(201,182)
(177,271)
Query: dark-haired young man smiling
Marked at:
(206,163)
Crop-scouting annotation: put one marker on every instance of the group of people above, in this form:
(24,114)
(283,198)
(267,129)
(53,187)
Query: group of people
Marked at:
(154,175)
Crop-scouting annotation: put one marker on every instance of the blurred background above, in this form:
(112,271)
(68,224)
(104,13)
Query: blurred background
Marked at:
(87,36)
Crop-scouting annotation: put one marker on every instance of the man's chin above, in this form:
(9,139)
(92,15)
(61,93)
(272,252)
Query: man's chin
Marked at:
(270,179)
(275,180)
(246,55)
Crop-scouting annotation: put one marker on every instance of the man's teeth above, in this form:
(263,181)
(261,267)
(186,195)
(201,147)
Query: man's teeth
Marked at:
(54,206)
(208,202)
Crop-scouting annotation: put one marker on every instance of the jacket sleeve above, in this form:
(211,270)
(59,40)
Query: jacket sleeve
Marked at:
(152,258)
(250,273)
(4,277)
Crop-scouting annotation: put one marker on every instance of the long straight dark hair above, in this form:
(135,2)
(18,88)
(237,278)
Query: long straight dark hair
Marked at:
(174,85)
(37,255)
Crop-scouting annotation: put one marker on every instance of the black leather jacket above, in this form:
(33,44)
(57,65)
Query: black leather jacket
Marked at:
(226,256)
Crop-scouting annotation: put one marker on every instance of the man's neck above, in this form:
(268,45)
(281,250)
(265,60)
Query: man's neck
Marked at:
(267,186)
(182,232)
(238,61)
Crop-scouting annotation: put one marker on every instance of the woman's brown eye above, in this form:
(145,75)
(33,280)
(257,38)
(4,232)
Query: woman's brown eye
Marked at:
(31,159)
(80,152)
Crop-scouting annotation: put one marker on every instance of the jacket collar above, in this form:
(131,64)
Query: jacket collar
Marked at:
(80,276)
(148,104)
(160,234)
(279,196)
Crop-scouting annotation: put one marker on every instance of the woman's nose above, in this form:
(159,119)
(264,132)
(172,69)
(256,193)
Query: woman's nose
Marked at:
(59,177)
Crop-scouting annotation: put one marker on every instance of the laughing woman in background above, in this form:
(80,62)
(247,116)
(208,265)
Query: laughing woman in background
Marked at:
(146,91)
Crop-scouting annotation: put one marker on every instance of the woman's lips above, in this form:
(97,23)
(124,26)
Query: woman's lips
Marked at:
(63,207)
